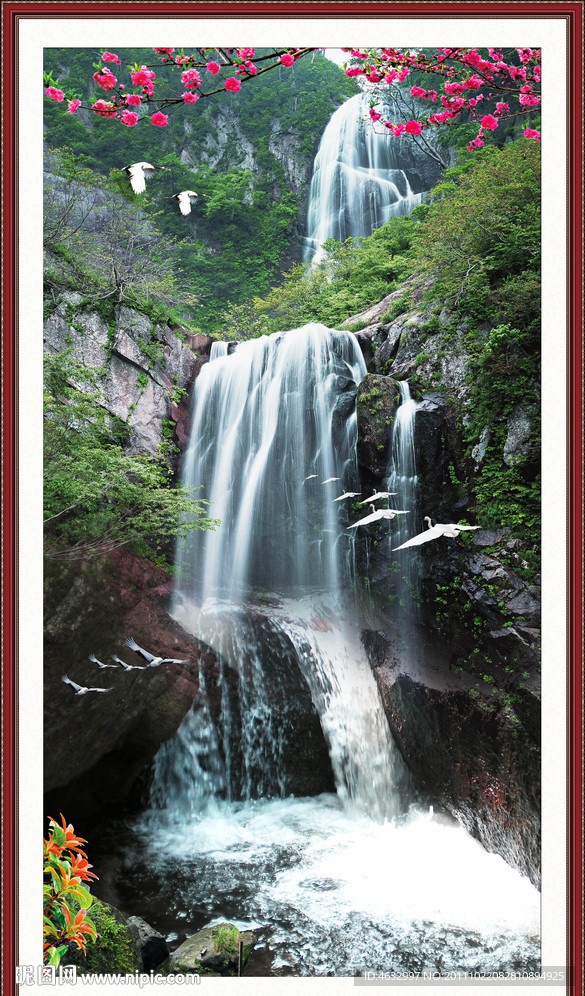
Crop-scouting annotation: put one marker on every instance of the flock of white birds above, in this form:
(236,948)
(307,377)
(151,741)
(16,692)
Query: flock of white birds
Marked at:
(152,660)
(430,533)
(139,173)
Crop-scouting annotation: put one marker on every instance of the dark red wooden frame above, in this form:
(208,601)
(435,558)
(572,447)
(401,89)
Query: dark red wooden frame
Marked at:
(573,13)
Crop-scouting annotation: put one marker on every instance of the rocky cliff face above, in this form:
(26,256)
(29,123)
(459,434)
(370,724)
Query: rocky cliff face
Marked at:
(146,368)
(98,746)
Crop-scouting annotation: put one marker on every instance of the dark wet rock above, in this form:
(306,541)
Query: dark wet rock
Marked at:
(478,760)
(377,400)
(477,755)
(98,747)
(344,408)
(523,604)
(153,947)
(299,759)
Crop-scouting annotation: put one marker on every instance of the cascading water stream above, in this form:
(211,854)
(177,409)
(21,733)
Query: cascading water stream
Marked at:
(271,425)
(335,883)
(357,183)
(402,480)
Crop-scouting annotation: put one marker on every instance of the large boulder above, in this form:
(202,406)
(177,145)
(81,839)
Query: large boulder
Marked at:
(212,951)
(97,746)
(475,757)
(153,947)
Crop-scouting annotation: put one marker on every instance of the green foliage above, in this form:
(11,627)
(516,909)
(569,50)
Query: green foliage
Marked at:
(65,899)
(232,245)
(353,275)
(505,374)
(483,226)
(113,950)
(95,497)
(226,939)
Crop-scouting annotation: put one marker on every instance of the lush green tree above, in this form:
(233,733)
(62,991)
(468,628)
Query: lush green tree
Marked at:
(483,225)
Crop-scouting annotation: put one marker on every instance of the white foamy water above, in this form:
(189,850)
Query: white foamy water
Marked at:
(332,892)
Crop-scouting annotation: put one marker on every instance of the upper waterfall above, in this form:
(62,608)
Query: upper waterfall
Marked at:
(357,182)
(276,410)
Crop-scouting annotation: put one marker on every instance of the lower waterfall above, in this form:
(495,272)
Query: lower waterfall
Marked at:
(282,803)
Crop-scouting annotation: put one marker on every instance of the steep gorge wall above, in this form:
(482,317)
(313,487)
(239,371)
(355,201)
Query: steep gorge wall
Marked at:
(462,690)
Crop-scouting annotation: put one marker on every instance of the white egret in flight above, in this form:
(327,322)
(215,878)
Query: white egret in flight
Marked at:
(433,532)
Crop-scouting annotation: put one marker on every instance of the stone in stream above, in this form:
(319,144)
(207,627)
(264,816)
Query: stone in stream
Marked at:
(209,953)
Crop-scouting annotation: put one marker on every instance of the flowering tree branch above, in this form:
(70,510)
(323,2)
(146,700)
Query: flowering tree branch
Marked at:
(464,81)
(490,89)
(232,67)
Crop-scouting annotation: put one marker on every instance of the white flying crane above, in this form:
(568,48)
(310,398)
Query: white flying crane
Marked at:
(185,199)
(128,667)
(82,689)
(93,658)
(152,660)
(378,494)
(138,174)
(380,513)
(349,494)
(433,532)
(329,479)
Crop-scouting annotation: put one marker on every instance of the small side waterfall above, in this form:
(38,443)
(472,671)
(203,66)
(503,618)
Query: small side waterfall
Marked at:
(357,182)
(402,479)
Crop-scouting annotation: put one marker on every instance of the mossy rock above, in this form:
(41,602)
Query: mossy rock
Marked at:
(117,949)
(212,951)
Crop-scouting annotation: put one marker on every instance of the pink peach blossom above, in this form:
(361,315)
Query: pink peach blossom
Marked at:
(54,93)
(129,118)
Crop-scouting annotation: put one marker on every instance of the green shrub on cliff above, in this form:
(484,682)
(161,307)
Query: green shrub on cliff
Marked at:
(95,497)
(483,228)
